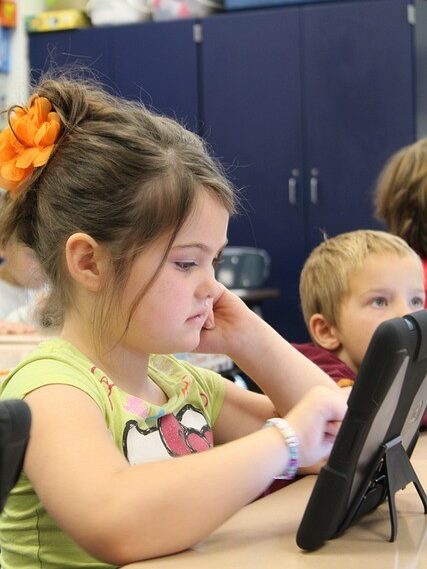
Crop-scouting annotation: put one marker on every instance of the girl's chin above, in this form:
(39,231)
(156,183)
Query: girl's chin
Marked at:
(189,346)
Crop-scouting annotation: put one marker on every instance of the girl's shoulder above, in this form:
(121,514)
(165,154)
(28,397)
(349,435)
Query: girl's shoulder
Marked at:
(53,361)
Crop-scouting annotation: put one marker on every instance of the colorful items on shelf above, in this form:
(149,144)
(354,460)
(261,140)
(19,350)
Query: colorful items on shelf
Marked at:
(57,20)
(8,14)
(4,49)
(178,9)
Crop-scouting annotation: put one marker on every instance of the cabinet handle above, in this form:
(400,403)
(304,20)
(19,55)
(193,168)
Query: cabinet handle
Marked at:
(314,186)
(292,186)
(292,190)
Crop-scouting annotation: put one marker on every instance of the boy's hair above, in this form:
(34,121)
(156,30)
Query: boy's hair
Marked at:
(119,173)
(401,195)
(326,274)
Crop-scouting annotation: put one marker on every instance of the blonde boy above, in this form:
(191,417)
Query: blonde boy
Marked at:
(348,286)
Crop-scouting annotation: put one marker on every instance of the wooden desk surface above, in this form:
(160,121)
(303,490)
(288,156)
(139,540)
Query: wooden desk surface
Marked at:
(262,535)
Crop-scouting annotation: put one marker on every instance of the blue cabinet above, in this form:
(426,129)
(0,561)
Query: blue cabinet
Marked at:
(358,106)
(154,62)
(157,63)
(305,105)
(89,50)
(252,112)
(302,104)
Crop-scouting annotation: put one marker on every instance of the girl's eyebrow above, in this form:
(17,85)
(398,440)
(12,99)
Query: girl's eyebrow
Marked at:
(197,245)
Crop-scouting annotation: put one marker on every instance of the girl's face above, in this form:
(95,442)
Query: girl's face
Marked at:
(171,314)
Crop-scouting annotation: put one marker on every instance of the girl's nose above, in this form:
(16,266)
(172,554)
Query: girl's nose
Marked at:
(209,288)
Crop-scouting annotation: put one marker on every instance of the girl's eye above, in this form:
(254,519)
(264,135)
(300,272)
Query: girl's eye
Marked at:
(379,302)
(217,260)
(417,302)
(185,265)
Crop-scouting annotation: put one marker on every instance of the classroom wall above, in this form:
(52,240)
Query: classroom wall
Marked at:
(17,79)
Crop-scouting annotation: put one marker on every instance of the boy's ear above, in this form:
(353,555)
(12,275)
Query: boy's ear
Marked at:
(325,335)
(86,261)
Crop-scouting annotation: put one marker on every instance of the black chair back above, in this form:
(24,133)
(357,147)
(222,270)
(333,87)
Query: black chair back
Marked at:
(15,422)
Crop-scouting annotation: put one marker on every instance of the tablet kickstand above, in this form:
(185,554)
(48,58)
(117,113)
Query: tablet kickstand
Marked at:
(398,472)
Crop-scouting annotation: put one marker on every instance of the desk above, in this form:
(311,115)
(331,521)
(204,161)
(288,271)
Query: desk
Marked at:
(262,535)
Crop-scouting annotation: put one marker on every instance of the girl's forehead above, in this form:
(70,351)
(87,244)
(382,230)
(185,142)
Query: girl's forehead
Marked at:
(207,218)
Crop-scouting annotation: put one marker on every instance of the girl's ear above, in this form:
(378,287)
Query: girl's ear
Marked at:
(87,261)
(323,334)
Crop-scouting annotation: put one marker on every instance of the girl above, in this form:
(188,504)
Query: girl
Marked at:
(128,215)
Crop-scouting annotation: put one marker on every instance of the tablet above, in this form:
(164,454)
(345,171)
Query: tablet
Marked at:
(15,421)
(369,461)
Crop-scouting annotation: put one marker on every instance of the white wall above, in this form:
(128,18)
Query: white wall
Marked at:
(17,81)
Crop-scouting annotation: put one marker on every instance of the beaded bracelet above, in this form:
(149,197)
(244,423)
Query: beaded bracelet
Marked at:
(292,442)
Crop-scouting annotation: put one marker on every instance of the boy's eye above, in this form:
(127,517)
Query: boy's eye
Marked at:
(417,302)
(185,265)
(379,302)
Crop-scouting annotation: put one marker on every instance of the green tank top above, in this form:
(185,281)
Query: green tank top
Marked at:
(143,432)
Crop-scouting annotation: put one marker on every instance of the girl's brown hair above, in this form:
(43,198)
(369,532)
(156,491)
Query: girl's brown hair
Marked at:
(401,195)
(121,174)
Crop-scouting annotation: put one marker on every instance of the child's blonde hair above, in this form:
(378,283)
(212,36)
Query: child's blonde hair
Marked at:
(119,173)
(401,195)
(326,274)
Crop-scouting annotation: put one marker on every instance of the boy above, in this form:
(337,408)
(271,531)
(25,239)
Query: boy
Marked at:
(348,286)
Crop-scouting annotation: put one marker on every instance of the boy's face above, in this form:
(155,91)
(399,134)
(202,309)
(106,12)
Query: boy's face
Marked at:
(385,287)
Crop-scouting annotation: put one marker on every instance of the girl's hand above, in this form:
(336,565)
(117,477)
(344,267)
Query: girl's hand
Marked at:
(316,420)
(224,324)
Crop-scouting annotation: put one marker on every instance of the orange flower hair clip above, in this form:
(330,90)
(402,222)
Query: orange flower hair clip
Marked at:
(27,142)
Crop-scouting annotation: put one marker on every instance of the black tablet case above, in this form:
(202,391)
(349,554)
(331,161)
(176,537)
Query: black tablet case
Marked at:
(15,421)
(386,405)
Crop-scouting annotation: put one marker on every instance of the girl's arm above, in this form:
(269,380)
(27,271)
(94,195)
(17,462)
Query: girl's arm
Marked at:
(282,373)
(121,513)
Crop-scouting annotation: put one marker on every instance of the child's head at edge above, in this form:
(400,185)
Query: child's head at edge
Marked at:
(119,173)
(351,283)
(401,195)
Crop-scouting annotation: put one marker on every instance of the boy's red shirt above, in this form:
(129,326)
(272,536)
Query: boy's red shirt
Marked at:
(327,361)
(330,364)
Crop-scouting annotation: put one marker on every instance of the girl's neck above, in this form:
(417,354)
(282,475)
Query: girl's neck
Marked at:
(128,370)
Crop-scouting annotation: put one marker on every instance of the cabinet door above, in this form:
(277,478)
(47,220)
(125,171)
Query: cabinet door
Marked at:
(157,63)
(91,49)
(358,85)
(152,62)
(251,115)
